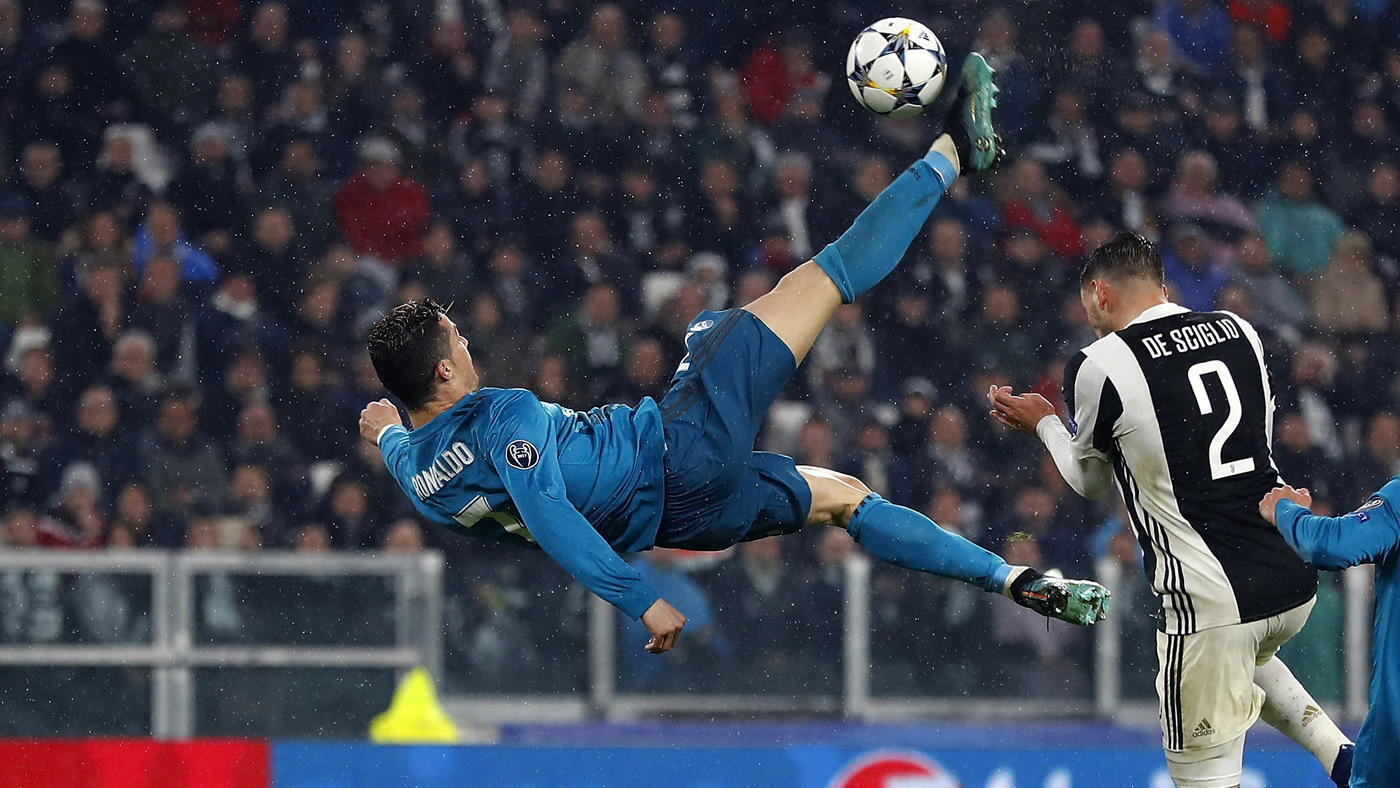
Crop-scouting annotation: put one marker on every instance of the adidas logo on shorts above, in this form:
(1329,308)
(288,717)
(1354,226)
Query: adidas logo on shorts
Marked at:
(1203,729)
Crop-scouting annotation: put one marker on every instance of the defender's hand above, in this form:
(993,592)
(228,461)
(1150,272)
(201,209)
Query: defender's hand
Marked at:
(375,417)
(1018,411)
(665,624)
(1299,496)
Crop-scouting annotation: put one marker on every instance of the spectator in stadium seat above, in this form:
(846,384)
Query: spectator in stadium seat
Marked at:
(96,437)
(249,500)
(50,116)
(1196,196)
(1347,298)
(298,186)
(840,368)
(114,186)
(169,73)
(1189,267)
(1160,74)
(1000,335)
(21,434)
(266,54)
(1300,461)
(276,262)
(904,339)
(777,70)
(546,202)
(721,222)
(161,236)
(1200,31)
(380,210)
(345,509)
(133,378)
(1240,154)
(1316,76)
(675,68)
(592,259)
(998,39)
(75,508)
(1123,199)
(176,460)
(755,601)
(210,192)
(163,311)
(517,63)
(259,442)
(1277,303)
(53,202)
(316,430)
(477,207)
(1379,212)
(354,91)
(1299,229)
(731,135)
(1368,140)
(950,458)
(601,65)
(1031,201)
(1071,145)
(134,514)
(644,373)
(88,325)
(31,361)
(1091,69)
(26,267)
(594,339)
(404,535)
(99,240)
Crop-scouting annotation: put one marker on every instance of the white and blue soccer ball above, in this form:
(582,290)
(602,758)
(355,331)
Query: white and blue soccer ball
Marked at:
(896,67)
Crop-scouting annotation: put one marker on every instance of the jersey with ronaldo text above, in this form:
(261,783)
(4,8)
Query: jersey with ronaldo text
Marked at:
(582,485)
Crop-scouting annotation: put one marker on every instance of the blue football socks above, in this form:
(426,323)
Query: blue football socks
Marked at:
(878,238)
(903,537)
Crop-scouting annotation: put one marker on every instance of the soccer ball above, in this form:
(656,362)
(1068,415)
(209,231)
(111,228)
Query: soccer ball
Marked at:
(896,67)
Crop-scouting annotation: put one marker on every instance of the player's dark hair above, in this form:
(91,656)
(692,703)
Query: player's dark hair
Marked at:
(1125,256)
(405,347)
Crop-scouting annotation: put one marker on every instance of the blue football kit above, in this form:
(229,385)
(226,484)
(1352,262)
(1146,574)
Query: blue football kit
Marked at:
(1371,534)
(586,485)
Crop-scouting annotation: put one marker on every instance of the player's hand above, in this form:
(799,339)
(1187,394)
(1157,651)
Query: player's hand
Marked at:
(665,624)
(1299,496)
(375,417)
(1018,411)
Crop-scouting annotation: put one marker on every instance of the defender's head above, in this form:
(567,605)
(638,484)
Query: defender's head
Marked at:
(420,356)
(1121,279)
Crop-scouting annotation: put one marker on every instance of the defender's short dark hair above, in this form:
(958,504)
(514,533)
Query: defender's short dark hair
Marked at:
(405,347)
(1125,256)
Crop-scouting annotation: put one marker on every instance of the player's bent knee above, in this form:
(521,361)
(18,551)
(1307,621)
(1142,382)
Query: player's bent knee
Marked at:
(835,496)
(1217,766)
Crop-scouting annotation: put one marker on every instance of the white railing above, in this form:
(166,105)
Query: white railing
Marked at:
(173,649)
(172,653)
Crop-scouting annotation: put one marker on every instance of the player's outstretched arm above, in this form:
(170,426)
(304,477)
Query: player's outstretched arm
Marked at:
(1360,537)
(1084,468)
(524,453)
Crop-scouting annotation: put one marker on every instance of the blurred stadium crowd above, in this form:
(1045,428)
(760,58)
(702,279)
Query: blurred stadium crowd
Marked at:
(204,202)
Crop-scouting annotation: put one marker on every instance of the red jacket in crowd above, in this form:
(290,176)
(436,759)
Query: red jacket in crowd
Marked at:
(385,223)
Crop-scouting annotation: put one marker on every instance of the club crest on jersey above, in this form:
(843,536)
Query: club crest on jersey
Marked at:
(702,325)
(522,455)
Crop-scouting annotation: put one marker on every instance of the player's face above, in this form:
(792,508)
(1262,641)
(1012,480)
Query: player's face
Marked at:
(1089,297)
(465,377)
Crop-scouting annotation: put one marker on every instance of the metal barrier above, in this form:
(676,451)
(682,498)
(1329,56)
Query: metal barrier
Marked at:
(167,634)
(171,651)
(1106,694)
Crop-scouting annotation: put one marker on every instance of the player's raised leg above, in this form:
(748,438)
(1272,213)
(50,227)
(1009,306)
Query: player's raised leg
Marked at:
(903,537)
(804,300)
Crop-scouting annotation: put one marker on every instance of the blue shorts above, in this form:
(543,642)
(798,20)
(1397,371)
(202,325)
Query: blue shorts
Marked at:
(719,491)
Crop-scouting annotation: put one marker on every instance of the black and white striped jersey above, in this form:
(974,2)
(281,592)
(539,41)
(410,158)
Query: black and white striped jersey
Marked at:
(1177,409)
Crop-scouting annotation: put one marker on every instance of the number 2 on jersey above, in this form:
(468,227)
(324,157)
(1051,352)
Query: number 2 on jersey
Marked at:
(479,509)
(1219,469)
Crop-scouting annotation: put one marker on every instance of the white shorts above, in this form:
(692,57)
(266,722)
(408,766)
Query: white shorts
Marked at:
(1207,698)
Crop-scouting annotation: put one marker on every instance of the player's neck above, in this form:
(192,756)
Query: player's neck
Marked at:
(1133,307)
(432,410)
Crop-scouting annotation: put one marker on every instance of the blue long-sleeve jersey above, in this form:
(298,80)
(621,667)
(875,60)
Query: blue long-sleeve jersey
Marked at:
(1370,534)
(583,486)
